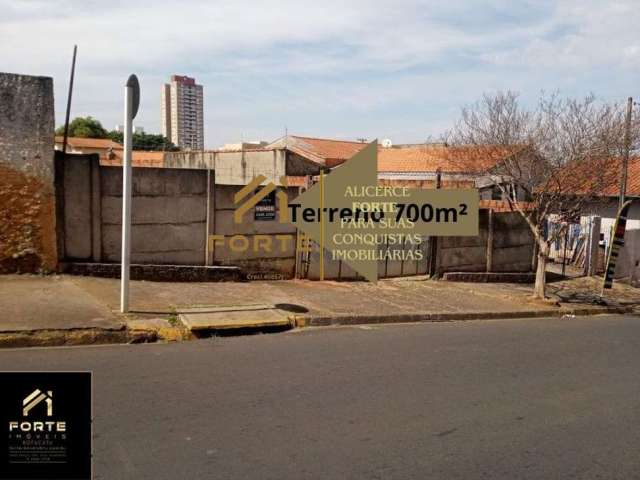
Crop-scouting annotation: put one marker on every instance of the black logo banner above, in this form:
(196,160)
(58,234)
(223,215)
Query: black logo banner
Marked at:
(45,429)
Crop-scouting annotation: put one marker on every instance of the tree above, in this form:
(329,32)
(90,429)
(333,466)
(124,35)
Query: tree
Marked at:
(560,156)
(85,127)
(145,141)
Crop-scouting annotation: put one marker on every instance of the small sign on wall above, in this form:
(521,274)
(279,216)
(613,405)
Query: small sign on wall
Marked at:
(265,209)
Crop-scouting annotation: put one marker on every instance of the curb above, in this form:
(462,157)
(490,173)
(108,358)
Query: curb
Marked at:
(68,337)
(325,321)
(89,336)
(97,336)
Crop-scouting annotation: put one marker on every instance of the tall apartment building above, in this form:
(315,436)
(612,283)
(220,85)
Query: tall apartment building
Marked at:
(182,114)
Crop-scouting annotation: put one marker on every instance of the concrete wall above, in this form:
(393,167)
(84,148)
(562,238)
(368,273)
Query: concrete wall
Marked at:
(232,168)
(240,167)
(76,226)
(281,257)
(175,210)
(506,246)
(27,199)
(169,213)
(464,254)
(172,209)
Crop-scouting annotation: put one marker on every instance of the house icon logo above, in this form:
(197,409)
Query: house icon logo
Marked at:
(258,196)
(36,397)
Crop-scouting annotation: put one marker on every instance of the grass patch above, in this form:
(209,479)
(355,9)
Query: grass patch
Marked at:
(173,317)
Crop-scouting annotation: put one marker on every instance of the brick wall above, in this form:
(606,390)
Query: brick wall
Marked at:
(27,200)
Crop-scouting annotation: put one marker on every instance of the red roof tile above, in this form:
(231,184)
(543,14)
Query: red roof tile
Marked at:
(139,158)
(94,143)
(297,181)
(430,158)
(614,170)
(602,177)
(414,158)
(334,152)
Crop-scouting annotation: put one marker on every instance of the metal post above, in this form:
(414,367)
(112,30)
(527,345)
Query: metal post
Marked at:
(489,266)
(131,103)
(207,228)
(68,113)
(564,253)
(594,246)
(322,228)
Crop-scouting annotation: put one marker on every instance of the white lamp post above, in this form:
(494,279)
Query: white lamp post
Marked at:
(131,104)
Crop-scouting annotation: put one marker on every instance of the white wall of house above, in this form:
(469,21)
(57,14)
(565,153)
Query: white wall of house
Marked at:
(628,265)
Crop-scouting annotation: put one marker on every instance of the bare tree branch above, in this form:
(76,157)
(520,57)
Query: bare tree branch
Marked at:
(560,154)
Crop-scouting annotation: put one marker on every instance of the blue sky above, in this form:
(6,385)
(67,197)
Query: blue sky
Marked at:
(341,69)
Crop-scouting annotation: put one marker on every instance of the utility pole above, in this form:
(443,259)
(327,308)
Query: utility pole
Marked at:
(625,158)
(131,104)
(66,120)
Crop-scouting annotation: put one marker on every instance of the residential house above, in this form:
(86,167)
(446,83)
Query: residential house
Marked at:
(418,165)
(605,206)
(109,152)
(104,147)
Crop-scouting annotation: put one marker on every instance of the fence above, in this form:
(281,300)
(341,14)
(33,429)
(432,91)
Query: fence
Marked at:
(176,210)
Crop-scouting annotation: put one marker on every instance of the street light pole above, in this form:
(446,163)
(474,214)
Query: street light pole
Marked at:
(131,104)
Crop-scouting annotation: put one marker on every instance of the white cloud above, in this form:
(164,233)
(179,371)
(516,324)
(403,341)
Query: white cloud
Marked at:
(350,67)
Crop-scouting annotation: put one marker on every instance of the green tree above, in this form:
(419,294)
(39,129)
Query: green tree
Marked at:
(85,127)
(116,136)
(145,141)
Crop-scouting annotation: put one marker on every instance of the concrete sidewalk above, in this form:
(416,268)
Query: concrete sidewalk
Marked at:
(32,302)
(405,296)
(63,302)
(409,295)
(53,310)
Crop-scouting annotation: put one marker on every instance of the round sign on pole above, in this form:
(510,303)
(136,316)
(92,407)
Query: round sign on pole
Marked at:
(135,88)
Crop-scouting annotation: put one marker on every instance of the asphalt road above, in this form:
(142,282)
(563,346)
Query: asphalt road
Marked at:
(507,399)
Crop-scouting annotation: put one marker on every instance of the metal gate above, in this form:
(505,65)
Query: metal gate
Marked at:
(395,263)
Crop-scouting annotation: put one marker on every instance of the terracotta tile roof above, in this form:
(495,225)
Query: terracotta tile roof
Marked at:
(139,158)
(97,143)
(430,158)
(495,205)
(413,158)
(327,151)
(427,184)
(143,158)
(297,181)
(633,178)
(602,178)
